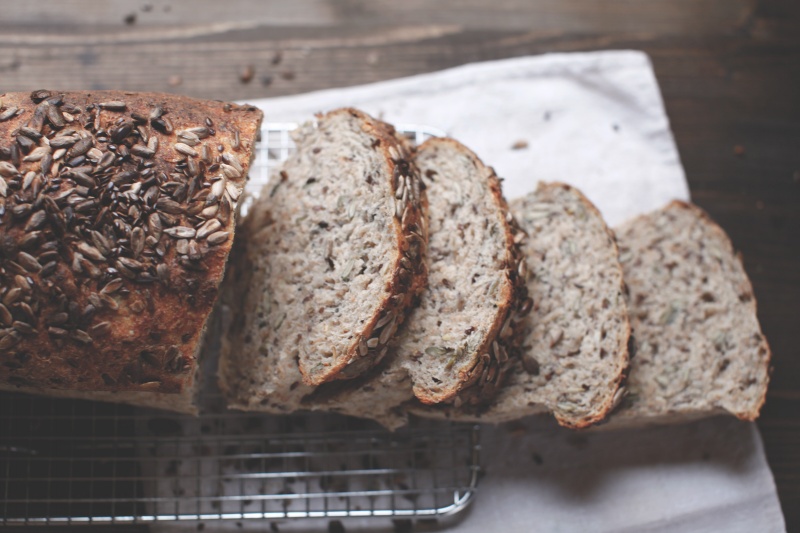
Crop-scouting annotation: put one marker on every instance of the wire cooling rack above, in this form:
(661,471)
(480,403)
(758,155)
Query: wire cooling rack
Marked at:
(79,462)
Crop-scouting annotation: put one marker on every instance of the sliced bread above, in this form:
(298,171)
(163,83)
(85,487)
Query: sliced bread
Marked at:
(330,261)
(456,343)
(575,338)
(700,349)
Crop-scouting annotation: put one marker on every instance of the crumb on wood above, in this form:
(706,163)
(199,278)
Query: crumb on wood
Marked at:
(759,204)
(537,459)
(247,73)
(130,19)
(277,58)
(288,75)
(175,80)
(739,150)
(266,80)
(520,145)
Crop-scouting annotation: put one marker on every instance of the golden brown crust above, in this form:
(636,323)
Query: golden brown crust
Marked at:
(479,384)
(410,273)
(104,291)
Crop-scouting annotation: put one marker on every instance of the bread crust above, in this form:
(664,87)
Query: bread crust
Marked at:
(111,299)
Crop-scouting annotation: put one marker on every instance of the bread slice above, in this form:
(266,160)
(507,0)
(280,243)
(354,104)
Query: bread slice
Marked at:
(455,345)
(116,219)
(330,265)
(575,340)
(700,350)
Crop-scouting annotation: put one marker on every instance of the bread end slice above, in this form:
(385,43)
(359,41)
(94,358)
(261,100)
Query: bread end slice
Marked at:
(700,349)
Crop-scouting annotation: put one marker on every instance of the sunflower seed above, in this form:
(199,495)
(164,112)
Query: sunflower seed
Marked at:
(10,340)
(3,187)
(195,251)
(80,147)
(188,138)
(137,241)
(103,244)
(109,302)
(185,149)
(29,262)
(182,246)
(8,113)
(230,171)
(217,238)
(106,161)
(233,191)
(55,117)
(154,226)
(209,227)
(114,105)
(36,154)
(181,232)
(94,154)
(12,296)
(142,151)
(131,264)
(7,170)
(169,205)
(217,189)
(388,331)
(90,251)
(162,270)
(100,329)
(5,315)
(156,113)
(57,332)
(233,161)
(373,342)
(209,211)
(81,336)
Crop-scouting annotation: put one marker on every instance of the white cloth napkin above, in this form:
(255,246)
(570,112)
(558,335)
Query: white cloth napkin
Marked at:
(596,121)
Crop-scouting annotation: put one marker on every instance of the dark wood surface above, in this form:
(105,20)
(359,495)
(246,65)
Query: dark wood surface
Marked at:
(729,71)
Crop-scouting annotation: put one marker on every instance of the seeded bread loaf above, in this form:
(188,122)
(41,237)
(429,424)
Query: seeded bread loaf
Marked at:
(451,347)
(116,220)
(700,350)
(575,340)
(330,266)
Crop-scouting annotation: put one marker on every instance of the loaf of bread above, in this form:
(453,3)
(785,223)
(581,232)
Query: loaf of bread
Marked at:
(575,337)
(331,261)
(116,220)
(700,350)
(456,343)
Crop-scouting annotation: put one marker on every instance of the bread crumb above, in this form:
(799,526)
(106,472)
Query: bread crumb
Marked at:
(175,80)
(247,73)
(520,145)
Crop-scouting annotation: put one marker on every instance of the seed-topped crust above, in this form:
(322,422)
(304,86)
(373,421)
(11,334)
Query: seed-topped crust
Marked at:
(116,220)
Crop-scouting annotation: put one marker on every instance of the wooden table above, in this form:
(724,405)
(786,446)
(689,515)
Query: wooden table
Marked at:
(729,71)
